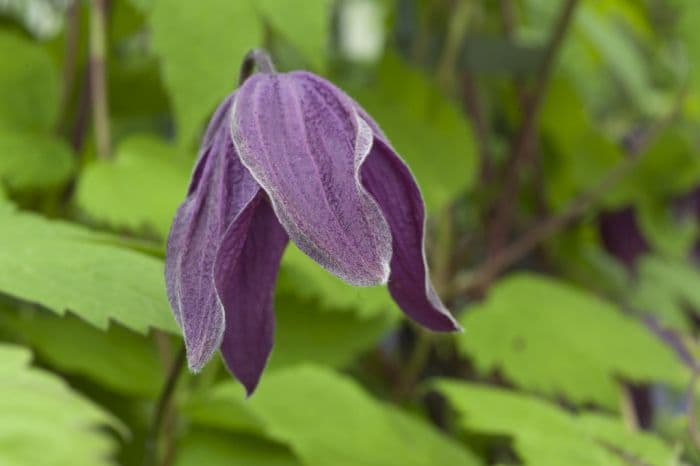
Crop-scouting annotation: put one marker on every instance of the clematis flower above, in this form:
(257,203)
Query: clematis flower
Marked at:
(290,157)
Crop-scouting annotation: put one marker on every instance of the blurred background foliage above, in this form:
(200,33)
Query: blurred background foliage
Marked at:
(557,146)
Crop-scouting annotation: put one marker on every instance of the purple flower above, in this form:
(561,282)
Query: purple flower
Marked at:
(290,156)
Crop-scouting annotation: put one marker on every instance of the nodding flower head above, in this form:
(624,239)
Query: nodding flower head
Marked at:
(289,156)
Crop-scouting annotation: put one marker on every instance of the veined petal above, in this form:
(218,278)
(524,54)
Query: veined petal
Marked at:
(245,275)
(217,124)
(304,143)
(391,183)
(221,188)
(218,120)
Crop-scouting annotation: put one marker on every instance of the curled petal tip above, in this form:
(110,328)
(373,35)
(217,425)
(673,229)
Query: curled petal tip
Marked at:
(442,321)
(195,367)
(250,388)
(368,278)
(197,358)
(457,328)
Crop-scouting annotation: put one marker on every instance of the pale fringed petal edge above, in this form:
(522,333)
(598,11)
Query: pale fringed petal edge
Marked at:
(362,147)
(386,172)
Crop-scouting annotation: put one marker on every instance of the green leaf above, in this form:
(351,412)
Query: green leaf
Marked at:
(621,55)
(224,407)
(118,359)
(143,6)
(293,406)
(534,328)
(670,157)
(65,267)
(664,287)
(45,422)
(544,435)
(141,187)
(29,85)
(30,156)
(666,233)
(201,45)
(611,432)
(427,442)
(307,279)
(688,20)
(429,132)
(582,154)
(31,161)
(225,449)
(307,332)
(307,28)
(296,403)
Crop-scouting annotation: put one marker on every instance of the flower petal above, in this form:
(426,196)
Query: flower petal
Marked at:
(303,142)
(391,183)
(245,275)
(221,187)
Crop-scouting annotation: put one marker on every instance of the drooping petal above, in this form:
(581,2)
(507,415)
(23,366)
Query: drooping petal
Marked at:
(304,144)
(221,187)
(218,120)
(245,275)
(391,183)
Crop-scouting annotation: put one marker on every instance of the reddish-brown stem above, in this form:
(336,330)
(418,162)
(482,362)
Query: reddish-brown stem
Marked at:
(475,110)
(162,409)
(502,219)
(483,275)
(70,58)
(693,432)
(98,77)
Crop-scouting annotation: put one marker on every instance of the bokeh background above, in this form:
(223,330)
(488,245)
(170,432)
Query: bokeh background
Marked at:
(557,146)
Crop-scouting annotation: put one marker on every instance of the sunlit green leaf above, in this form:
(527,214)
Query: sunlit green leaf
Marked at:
(201,45)
(544,435)
(427,442)
(29,85)
(33,161)
(307,28)
(425,128)
(65,267)
(45,422)
(550,337)
(141,187)
(225,449)
(117,358)
(328,419)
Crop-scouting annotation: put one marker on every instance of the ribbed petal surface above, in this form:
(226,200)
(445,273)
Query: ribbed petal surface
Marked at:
(391,183)
(304,143)
(221,188)
(245,275)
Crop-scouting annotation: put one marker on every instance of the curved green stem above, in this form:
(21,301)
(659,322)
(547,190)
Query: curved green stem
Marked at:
(162,408)
(256,58)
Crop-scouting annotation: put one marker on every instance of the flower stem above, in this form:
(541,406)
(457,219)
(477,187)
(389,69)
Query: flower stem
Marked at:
(415,364)
(256,58)
(525,141)
(98,77)
(70,59)
(693,432)
(162,408)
